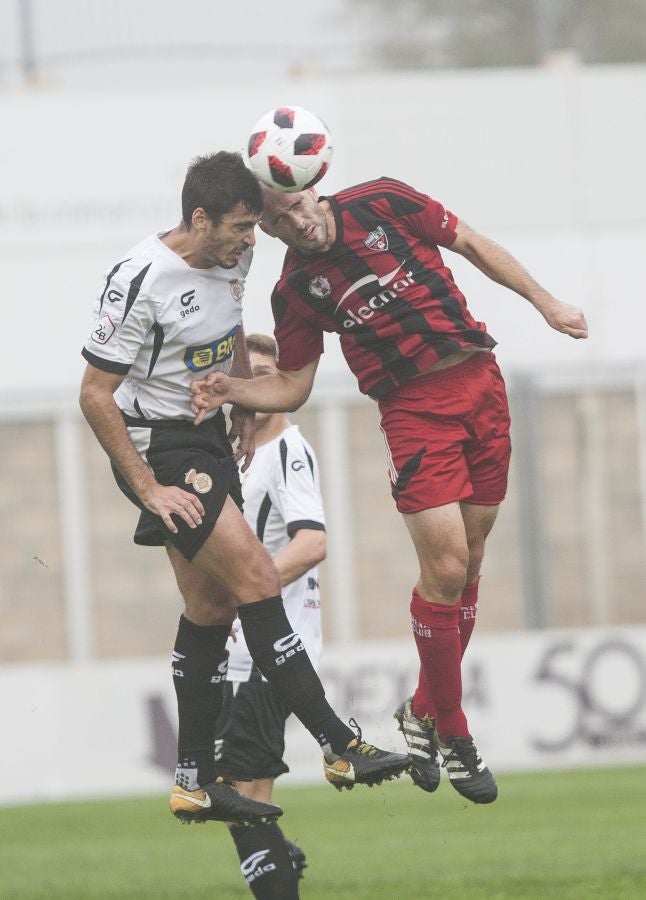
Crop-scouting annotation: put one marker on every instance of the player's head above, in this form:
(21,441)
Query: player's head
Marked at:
(298,219)
(216,184)
(263,355)
(221,206)
(264,351)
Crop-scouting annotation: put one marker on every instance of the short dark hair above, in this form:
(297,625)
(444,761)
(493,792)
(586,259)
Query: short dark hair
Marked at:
(263,344)
(216,183)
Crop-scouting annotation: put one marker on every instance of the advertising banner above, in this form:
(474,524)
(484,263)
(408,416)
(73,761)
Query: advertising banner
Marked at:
(549,699)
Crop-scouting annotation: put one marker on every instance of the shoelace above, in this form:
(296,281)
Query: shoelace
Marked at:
(420,728)
(365,749)
(354,724)
(362,747)
(464,753)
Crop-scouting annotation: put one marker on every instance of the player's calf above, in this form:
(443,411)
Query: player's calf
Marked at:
(266,862)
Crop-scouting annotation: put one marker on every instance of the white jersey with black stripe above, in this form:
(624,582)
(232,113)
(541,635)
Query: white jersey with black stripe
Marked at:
(282,494)
(162,324)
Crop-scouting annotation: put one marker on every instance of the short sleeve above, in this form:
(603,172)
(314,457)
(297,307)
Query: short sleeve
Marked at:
(434,224)
(124,314)
(296,491)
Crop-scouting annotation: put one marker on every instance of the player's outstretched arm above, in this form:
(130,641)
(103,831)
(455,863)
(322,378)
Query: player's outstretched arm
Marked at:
(105,420)
(283,392)
(499,265)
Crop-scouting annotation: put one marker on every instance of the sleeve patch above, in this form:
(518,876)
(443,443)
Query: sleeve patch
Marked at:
(103,330)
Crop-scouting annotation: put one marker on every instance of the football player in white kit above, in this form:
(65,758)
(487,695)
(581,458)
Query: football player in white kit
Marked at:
(169,312)
(284,508)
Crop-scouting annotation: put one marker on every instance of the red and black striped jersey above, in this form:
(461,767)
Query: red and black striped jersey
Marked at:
(383,287)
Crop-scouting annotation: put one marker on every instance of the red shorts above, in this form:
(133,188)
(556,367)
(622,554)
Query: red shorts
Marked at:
(447,436)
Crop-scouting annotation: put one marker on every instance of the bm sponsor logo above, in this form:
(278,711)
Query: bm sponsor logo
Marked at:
(203,356)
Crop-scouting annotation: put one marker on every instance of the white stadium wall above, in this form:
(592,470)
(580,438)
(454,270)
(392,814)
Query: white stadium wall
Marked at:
(549,163)
(551,699)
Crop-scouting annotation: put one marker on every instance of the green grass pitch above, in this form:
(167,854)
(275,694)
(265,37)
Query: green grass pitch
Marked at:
(578,834)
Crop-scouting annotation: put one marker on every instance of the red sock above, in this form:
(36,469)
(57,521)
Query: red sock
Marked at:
(422,700)
(435,628)
(422,703)
(468,612)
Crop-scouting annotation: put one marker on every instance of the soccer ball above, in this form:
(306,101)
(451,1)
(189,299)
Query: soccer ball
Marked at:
(289,149)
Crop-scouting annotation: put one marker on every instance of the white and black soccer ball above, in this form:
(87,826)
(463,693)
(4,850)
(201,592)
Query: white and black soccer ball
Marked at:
(289,149)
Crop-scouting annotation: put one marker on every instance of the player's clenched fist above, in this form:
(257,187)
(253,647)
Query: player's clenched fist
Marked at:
(209,393)
(566,319)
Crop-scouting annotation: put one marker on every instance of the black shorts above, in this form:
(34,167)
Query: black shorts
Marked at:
(197,459)
(250,733)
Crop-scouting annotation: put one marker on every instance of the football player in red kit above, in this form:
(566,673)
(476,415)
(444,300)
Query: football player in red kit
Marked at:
(366,263)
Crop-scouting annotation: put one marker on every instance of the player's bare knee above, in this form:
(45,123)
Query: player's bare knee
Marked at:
(259,580)
(444,582)
(204,609)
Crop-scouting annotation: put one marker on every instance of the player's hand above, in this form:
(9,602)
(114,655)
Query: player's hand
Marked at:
(210,393)
(567,319)
(242,435)
(167,500)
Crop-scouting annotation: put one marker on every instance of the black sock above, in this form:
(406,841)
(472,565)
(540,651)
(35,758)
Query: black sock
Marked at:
(280,655)
(199,671)
(265,862)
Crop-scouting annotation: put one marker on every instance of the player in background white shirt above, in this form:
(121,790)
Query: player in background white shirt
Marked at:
(284,508)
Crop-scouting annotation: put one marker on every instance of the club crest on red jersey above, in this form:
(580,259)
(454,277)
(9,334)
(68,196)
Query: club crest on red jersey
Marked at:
(320,287)
(377,239)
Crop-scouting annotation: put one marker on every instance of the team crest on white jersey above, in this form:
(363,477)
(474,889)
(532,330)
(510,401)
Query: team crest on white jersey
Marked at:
(103,330)
(320,287)
(235,286)
(377,239)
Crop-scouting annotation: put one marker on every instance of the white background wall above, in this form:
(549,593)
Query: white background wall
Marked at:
(549,163)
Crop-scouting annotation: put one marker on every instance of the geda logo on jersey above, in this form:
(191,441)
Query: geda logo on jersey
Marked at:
(188,304)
